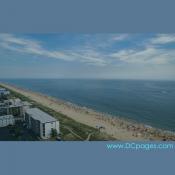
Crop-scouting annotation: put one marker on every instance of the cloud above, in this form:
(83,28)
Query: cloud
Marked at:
(149,52)
(13,43)
(120,37)
(93,50)
(28,46)
(104,41)
(145,56)
(163,39)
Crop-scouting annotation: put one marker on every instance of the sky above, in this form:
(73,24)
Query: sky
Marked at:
(104,56)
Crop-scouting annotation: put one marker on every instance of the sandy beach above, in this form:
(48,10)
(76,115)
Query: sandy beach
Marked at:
(119,128)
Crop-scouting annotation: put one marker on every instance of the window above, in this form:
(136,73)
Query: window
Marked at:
(43,129)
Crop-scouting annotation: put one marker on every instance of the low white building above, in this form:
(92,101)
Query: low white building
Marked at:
(6,120)
(3,92)
(14,107)
(41,123)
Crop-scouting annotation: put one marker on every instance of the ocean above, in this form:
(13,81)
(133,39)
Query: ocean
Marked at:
(148,102)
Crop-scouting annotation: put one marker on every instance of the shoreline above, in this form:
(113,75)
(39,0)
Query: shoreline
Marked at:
(116,126)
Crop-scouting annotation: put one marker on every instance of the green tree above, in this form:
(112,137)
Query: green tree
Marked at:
(54,133)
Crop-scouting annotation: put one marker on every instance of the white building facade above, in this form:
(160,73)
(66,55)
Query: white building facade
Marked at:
(14,107)
(41,123)
(3,92)
(7,120)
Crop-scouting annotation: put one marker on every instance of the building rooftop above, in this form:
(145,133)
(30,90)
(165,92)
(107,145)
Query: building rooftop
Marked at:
(15,102)
(4,91)
(6,117)
(12,103)
(37,114)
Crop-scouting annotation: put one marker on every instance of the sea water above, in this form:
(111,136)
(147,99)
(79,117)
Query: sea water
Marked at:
(145,101)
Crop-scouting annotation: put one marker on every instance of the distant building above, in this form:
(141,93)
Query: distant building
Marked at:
(4,92)
(6,120)
(41,123)
(14,107)
(3,110)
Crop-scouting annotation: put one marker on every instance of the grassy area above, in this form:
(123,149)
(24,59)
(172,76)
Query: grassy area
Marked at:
(67,124)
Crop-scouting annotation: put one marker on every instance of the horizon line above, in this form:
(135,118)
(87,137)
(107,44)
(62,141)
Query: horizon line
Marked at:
(85,78)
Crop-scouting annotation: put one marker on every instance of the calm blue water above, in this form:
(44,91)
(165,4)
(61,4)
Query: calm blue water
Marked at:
(150,102)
